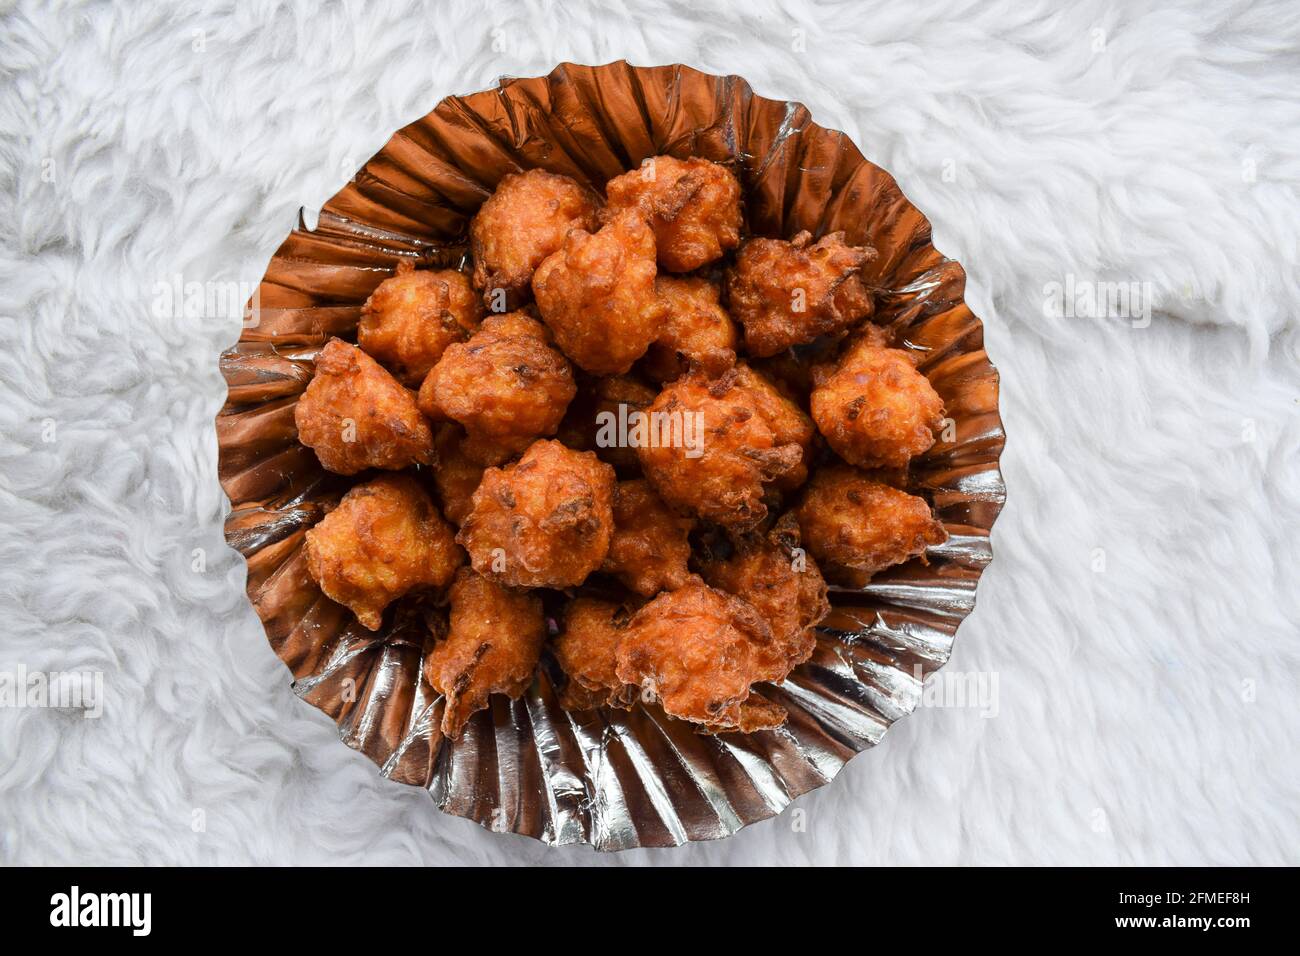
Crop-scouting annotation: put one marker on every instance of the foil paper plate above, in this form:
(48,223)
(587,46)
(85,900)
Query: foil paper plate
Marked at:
(610,779)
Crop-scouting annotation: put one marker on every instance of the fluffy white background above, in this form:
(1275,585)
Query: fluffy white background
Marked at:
(1148,710)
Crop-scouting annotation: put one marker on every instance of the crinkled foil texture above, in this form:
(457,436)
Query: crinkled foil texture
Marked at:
(610,779)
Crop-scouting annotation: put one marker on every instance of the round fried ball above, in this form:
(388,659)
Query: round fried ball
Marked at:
(697,330)
(790,293)
(586,651)
(385,539)
(494,640)
(355,415)
(521,223)
(710,448)
(506,386)
(783,583)
(410,319)
(875,409)
(543,521)
(856,526)
(699,650)
(597,295)
(693,205)
(789,424)
(649,550)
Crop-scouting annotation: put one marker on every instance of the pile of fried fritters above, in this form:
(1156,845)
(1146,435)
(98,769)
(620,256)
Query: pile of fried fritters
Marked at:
(686,569)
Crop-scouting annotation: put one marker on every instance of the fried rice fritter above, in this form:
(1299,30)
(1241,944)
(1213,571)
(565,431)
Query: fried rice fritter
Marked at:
(385,539)
(698,330)
(649,549)
(411,318)
(856,526)
(586,651)
(543,521)
(493,642)
(700,650)
(790,293)
(521,223)
(875,409)
(355,415)
(597,295)
(783,583)
(736,441)
(693,206)
(506,386)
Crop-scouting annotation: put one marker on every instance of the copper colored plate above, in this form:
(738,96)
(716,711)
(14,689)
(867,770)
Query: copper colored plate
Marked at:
(613,780)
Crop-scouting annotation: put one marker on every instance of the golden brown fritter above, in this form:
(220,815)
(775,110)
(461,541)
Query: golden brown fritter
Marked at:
(789,424)
(355,415)
(544,521)
(410,319)
(693,205)
(506,386)
(586,652)
(783,583)
(597,295)
(699,650)
(592,421)
(698,330)
(455,476)
(856,526)
(789,293)
(385,539)
(522,223)
(875,409)
(711,448)
(649,549)
(493,642)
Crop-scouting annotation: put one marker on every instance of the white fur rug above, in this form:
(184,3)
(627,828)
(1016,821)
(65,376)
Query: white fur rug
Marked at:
(1141,615)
